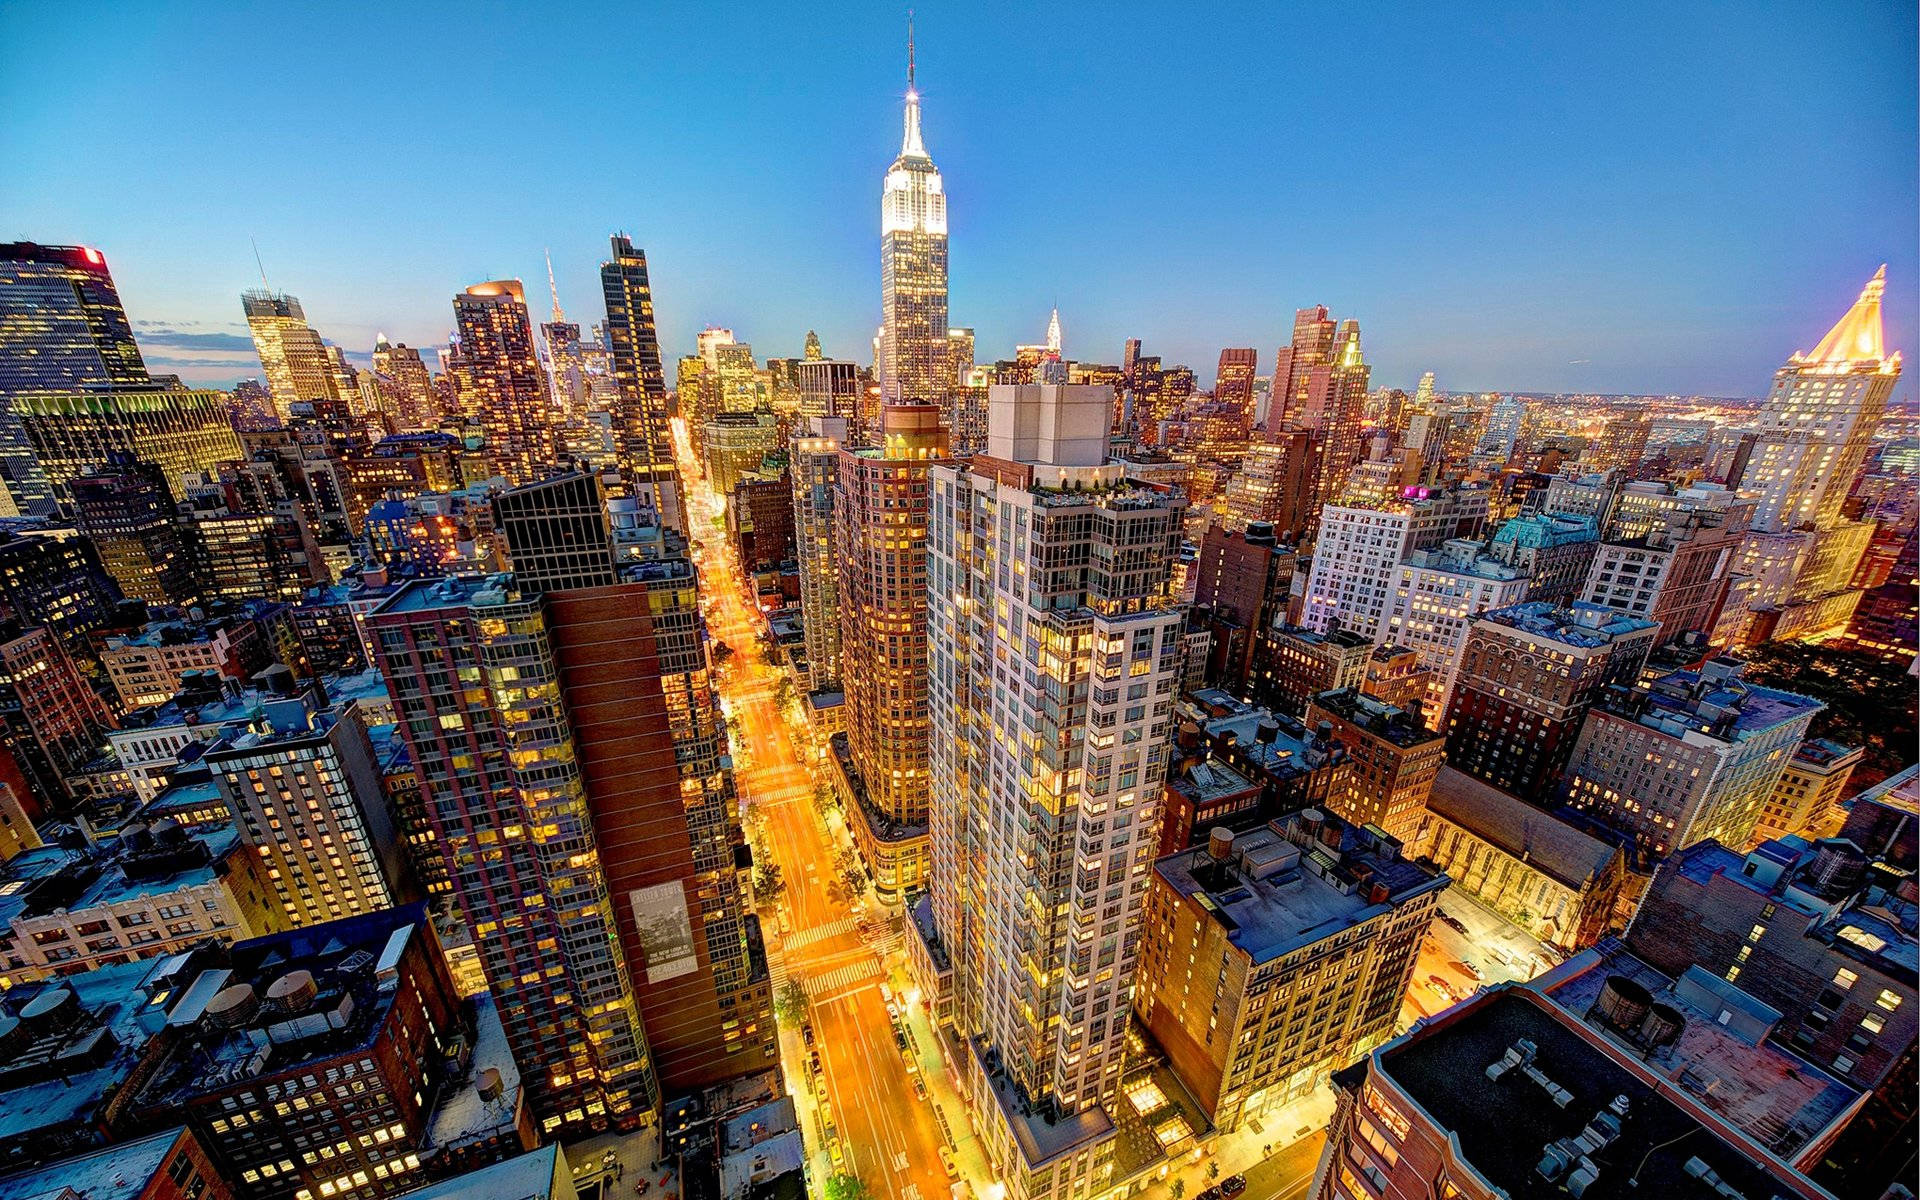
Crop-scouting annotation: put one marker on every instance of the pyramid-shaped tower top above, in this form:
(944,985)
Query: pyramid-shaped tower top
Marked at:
(1858,337)
(1053,333)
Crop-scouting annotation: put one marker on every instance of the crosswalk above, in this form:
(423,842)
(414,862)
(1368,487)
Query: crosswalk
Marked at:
(807,937)
(845,977)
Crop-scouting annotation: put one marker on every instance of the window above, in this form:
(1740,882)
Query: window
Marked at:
(1889,999)
(1844,978)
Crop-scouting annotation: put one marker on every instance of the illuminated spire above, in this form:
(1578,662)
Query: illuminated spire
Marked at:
(813,347)
(559,317)
(1858,337)
(911,146)
(1053,333)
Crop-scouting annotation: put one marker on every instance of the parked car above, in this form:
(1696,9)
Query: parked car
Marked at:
(1452,922)
(1467,969)
(1233,1185)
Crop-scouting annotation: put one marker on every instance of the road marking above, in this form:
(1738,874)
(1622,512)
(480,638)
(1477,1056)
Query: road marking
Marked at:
(807,937)
(819,986)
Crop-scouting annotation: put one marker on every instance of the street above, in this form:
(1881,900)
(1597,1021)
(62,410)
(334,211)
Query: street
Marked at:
(817,934)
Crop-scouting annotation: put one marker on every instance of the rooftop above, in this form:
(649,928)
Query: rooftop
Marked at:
(531,1176)
(119,1172)
(1900,791)
(1042,1135)
(1537,838)
(74,1041)
(1826,754)
(1852,911)
(1503,1126)
(1300,880)
(1383,720)
(1721,1056)
(350,968)
(1261,739)
(461,1114)
(1539,531)
(47,879)
(1715,701)
(1587,626)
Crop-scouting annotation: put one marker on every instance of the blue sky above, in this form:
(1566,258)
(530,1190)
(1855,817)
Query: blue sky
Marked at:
(1662,197)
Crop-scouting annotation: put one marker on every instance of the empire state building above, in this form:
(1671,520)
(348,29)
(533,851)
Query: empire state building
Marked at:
(913,269)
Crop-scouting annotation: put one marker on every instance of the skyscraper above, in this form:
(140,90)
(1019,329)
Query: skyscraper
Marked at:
(406,386)
(291,353)
(1049,578)
(62,330)
(474,674)
(880,535)
(1819,419)
(1814,430)
(913,268)
(633,348)
(576,779)
(1233,380)
(500,381)
(128,511)
(814,458)
(1312,346)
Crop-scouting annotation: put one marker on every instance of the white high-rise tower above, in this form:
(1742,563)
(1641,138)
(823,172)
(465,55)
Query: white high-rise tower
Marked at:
(1054,648)
(913,267)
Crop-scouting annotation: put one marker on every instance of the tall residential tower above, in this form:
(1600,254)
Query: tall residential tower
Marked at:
(1055,644)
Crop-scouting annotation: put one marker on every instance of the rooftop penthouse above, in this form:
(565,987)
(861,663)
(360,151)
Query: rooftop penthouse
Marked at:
(1581,625)
(1713,701)
(1302,879)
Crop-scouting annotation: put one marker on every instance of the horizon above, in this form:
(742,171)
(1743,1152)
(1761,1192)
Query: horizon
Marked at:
(1645,235)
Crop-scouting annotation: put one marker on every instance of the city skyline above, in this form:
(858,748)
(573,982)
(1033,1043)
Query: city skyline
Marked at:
(1694,287)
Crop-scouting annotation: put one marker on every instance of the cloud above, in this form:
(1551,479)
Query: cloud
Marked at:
(156,361)
(180,339)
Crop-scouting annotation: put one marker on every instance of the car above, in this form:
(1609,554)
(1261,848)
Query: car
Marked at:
(919,1088)
(1442,986)
(1212,1193)
(946,1160)
(1454,923)
(1233,1185)
(1467,969)
(806,1034)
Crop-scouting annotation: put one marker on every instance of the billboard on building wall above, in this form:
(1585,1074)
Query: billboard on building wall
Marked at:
(666,931)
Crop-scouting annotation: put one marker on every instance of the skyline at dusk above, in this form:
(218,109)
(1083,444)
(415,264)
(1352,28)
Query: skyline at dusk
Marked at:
(1677,223)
